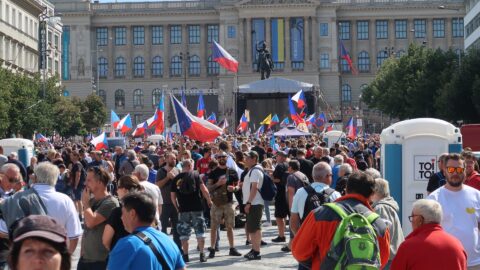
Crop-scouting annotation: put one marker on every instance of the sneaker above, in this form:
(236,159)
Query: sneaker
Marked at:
(254,255)
(211,255)
(247,243)
(234,252)
(267,224)
(285,248)
(185,258)
(248,254)
(263,243)
(279,239)
(202,257)
(217,249)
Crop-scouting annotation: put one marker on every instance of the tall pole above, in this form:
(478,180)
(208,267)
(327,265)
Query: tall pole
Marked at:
(98,72)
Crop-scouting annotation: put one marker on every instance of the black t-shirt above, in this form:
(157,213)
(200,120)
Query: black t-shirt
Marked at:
(77,167)
(115,220)
(315,160)
(188,202)
(306,167)
(232,179)
(260,151)
(435,181)
(281,172)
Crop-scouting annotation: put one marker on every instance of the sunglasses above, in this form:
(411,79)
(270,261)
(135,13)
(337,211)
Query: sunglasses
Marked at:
(455,169)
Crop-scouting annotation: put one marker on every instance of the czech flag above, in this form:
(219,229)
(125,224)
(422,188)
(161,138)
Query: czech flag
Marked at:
(140,130)
(114,120)
(200,106)
(299,98)
(224,124)
(193,127)
(157,120)
(100,142)
(351,129)
(242,127)
(344,55)
(310,121)
(293,112)
(222,57)
(40,138)
(212,118)
(330,127)
(125,124)
(260,131)
(184,99)
(285,122)
(320,121)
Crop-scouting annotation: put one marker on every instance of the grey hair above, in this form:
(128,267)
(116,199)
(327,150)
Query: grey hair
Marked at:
(382,188)
(338,159)
(430,210)
(46,173)
(142,169)
(345,167)
(9,166)
(320,171)
(131,155)
(374,173)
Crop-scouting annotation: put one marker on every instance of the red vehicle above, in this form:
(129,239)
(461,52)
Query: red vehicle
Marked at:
(471,136)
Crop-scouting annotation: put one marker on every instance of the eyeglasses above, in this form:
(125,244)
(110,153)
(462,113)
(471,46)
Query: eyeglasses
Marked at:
(410,218)
(455,169)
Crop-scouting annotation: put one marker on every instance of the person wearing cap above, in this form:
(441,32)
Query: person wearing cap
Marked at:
(131,252)
(39,242)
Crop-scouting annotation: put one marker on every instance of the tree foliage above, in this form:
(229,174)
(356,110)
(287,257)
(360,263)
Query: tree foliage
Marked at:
(428,83)
(24,109)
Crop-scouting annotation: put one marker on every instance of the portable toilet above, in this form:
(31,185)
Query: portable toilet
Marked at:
(334,136)
(409,156)
(23,147)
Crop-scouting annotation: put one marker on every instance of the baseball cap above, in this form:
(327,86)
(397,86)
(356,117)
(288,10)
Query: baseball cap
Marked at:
(40,226)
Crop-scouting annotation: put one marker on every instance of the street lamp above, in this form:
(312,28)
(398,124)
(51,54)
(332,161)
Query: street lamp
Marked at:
(182,58)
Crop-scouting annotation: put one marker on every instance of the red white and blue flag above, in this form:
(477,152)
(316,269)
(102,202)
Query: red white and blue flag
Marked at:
(140,129)
(114,120)
(293,112)
(184,99)
(330,127)
(100,142)
(259,131)
(351,129)
(320,121)
(285,122)
(310,121)
(212,118)
(242,127)
(299,98)
(200,106)
(169,138)
(344,55)
(125,124)
(193,127)
(274,121)
(222,57)
(157,120)
(40,138)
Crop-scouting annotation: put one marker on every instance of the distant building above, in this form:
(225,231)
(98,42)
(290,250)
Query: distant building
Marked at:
(129,53)
(472,24)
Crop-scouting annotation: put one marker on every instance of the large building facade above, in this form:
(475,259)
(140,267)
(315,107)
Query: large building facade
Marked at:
(131,53)
(472,24)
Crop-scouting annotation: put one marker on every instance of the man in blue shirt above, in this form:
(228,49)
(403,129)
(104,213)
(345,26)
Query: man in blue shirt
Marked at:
(131,252)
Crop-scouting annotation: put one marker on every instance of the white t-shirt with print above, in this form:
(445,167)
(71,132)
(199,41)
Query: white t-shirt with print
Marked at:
(253,176)
(461,215)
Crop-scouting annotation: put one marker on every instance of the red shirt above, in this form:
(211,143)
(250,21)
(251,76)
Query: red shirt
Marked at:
(430,247)
(202,165)
(352,163)
(473,180)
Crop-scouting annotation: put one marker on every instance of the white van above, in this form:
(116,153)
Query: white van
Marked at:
(155,138)
(15,144)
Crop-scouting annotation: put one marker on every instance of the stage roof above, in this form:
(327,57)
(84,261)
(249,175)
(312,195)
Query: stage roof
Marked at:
(274,85)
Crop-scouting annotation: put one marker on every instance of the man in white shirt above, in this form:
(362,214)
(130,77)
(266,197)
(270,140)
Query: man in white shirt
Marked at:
(253,203)
(461,208)
(59,206)
(141,172)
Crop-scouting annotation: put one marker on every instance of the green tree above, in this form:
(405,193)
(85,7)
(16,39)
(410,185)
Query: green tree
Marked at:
(67,116)
(94,112)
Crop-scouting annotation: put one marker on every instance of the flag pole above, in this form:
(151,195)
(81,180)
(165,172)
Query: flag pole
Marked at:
(340,71)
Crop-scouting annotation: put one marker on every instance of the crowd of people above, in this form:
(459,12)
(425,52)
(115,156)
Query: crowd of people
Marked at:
(136,207)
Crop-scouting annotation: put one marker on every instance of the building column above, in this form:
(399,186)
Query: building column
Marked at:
(148,51)
(315,29)
(129,57)
(288,63)
(248,66)
(429,34)
(336,44)
(448,32)
(354,40)
(306,43)
(166,52)
(241,29)
(204,53)
(268,33)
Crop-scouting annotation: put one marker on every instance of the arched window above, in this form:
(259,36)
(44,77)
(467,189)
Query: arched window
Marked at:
(157,66)
(138,98)
(101,93)
(400,53)
(346,93)
(102,67)
(119,98)
(120,67)
(138,67)
(381,56)
(156,96)
(194,66)
(176,66)
(213,68)
(363,62)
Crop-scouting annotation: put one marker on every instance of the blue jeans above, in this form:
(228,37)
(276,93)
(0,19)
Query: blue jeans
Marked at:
(267,210)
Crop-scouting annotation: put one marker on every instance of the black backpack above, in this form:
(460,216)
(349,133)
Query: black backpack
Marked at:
(315,199)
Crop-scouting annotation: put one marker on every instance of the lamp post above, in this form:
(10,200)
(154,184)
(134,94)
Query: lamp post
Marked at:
(187,58)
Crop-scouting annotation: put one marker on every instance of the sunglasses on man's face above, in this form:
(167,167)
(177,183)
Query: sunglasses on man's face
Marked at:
(455,169)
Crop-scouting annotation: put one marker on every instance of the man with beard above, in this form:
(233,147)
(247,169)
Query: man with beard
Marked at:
(222,183)
(461,211)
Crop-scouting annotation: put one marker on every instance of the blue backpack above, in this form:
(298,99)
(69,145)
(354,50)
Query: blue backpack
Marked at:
(268,189)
